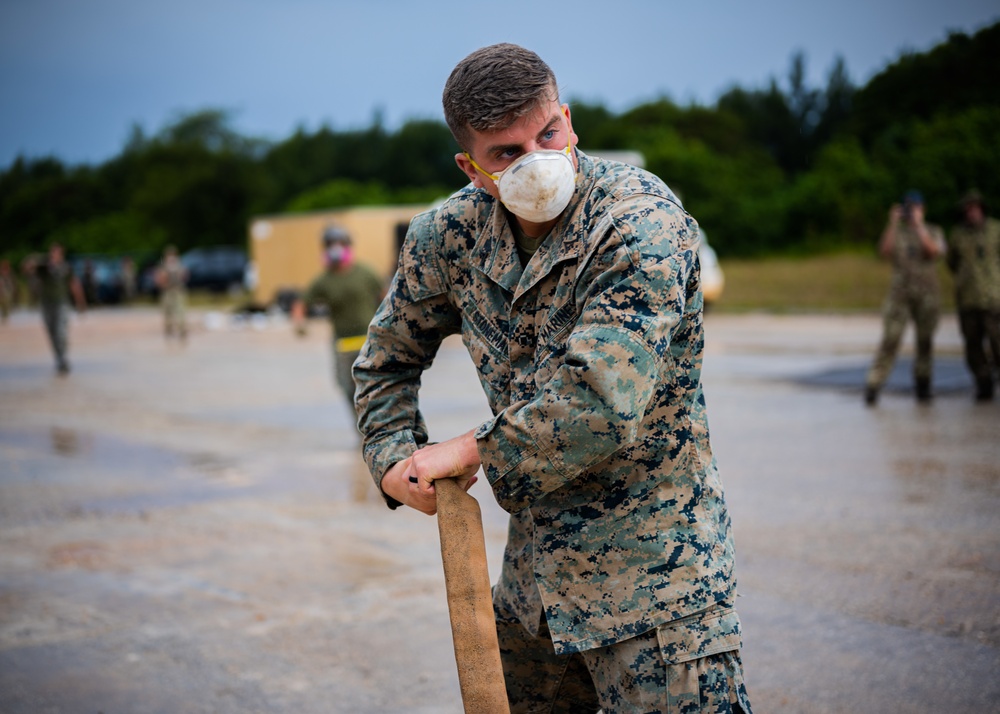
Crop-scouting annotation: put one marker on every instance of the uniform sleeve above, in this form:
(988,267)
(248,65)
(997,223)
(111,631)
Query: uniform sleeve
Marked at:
(403,339)
(633,293)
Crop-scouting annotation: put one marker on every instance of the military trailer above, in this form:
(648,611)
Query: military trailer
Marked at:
(285,249)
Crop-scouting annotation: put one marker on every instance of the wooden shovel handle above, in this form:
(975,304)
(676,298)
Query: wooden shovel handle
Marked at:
(470,601)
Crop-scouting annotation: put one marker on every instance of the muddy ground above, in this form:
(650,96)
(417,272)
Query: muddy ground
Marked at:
(189,528)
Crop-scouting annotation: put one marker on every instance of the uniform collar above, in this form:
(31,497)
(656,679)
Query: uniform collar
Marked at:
(495,253)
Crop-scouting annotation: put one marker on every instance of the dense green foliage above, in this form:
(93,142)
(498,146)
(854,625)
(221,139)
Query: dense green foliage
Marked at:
(784,169)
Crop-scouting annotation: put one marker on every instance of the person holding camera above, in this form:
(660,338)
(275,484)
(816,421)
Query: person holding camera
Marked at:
(912,246)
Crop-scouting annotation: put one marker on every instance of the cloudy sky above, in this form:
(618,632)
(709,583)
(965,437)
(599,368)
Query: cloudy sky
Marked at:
(76,76)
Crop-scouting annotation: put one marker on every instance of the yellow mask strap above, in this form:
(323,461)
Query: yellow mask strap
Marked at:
(480,169)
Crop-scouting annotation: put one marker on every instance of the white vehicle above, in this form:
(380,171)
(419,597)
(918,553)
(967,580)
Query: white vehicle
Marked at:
(712,279)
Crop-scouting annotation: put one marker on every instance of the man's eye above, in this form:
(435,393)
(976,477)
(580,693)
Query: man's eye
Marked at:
(549,135)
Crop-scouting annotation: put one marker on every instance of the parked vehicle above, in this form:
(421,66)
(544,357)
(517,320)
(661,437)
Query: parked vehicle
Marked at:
(101,277)
(217,269)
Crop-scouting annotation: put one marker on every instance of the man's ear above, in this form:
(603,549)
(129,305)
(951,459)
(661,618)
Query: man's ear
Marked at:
(574,139)
(465,164)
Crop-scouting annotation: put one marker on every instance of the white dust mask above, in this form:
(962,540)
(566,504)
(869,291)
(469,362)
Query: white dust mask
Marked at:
(538,186)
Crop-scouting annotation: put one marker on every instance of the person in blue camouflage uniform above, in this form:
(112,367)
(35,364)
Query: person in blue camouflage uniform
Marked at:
(913,247)
(974,258)
(617,588)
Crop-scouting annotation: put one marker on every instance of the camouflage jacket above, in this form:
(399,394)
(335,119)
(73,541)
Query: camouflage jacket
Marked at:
(974,257)
(590,356)
(914,273)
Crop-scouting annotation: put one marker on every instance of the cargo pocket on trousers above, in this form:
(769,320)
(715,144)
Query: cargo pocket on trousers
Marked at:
(702,658)
(700,635)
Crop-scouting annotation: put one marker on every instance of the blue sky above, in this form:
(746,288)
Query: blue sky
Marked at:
(76,76)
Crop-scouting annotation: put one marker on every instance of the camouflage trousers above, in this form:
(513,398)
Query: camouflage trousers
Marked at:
(174,313)
(981,333)
(924,309)
(689,666)
(56,319)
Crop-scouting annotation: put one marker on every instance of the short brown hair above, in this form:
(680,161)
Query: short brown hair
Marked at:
(494,87)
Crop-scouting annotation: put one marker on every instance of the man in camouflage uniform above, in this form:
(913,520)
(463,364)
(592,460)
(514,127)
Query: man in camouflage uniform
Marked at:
(350,293)
(54,282)
(974,258)
(913,247)
(617,589)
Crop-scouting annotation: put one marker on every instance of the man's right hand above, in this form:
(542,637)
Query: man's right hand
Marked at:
(411,481)
(396,484)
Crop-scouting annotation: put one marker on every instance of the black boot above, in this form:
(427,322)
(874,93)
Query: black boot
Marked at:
(923,389)
(984,390)
(871,395)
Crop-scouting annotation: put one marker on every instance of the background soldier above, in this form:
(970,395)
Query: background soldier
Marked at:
(8,290)
(974,258)
(128,279)
(351,293)
(912,246)
(54,281)
(171,277)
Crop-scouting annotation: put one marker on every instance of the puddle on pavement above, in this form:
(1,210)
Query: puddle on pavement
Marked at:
(63,473)
(950,376)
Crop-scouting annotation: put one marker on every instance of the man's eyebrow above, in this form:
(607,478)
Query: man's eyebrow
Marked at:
(500,148)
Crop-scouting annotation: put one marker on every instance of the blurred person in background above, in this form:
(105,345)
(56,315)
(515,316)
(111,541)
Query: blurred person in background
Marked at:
(8,290)
(350,292)
(913,247)
(171,278)
(54,283)
(88,280)
(974,259)
(128,279)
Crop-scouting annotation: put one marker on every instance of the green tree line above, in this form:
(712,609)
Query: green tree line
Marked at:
(787,168)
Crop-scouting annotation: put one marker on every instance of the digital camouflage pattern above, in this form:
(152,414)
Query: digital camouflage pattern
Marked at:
(590,356)
(689,665)
(974,257)
(914,293)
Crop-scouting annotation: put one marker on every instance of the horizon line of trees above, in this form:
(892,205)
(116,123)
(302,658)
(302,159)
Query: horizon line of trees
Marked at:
(784,169)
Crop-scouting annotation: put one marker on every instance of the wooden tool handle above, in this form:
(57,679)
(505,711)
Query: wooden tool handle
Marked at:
(470,602)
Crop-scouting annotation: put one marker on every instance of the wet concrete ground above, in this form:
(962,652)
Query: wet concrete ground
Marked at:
(189,528)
